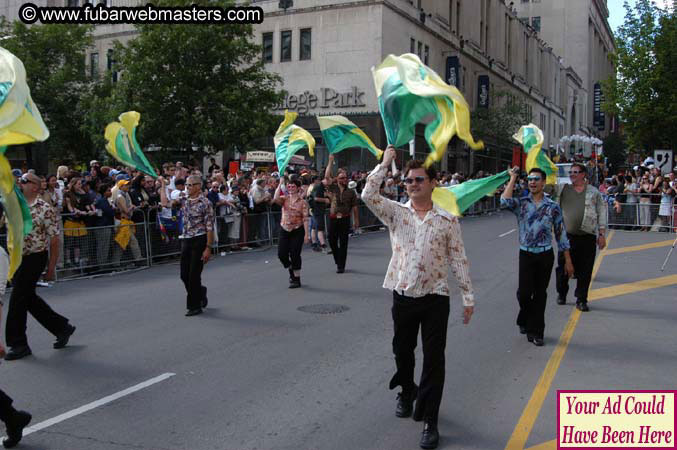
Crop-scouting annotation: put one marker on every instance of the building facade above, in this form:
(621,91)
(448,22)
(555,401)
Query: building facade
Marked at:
(577,30)
(324,51)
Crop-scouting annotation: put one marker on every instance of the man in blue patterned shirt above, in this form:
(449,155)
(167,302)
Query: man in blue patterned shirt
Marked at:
(537,215)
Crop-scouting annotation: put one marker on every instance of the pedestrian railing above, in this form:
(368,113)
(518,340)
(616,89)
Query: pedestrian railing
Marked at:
(642,216)
(87,250)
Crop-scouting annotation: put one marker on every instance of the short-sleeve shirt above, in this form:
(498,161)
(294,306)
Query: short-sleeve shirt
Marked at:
(198,216)
(44,227)
(342,202)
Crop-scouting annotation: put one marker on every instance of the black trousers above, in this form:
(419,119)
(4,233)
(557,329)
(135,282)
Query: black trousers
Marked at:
(25,300)
(290,246)
(191,270)
(583,250)
(6,408)
(431,314)
(338,240)
(535,270)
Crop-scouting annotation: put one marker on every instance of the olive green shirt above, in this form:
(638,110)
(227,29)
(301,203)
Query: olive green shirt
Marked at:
(573,209)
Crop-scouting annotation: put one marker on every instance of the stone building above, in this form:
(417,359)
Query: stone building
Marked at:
(324,51)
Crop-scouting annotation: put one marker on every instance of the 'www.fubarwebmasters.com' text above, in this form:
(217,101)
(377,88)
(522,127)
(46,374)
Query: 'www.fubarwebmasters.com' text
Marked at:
(147,14)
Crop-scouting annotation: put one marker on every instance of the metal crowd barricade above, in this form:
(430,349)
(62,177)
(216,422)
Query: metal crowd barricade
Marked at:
(86,251)
(641,216)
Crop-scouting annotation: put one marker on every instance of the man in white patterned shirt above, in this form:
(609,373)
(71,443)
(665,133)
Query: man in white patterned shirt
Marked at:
(426,242)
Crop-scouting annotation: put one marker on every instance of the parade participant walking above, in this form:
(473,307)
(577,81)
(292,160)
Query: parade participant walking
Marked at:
(294,229)
(343,203)
(537,215)
(15,421)
(318,202)
(196,240)
(24,298)
(585,218)
(426,241)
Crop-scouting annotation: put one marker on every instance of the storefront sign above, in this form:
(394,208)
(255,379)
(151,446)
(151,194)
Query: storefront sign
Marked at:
(483,91)
(322,99)
(452,72)
(260,156)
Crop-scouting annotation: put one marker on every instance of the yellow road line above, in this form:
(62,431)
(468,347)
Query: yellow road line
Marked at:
(636,248)
(629,288)
(520,434)
(550,445)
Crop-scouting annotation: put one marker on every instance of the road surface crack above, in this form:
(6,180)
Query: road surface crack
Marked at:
(100,441)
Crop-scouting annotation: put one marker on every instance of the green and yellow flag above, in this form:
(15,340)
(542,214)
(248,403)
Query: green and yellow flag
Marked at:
(408,93)
(122,144)
(340,133)
(531,138)
(456,199)
(289,139)
(20,123)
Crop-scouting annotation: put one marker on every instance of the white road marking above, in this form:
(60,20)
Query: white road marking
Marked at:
(507,233)
(95,404)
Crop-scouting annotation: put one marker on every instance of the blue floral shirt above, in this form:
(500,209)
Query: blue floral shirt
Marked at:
(537,222)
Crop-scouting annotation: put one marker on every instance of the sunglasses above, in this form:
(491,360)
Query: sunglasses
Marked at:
(533,178)
(418,180)
(574,172)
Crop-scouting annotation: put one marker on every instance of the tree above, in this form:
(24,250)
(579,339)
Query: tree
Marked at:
(53,56)
(199,86)
(497,124)
(614,150)
(639,93)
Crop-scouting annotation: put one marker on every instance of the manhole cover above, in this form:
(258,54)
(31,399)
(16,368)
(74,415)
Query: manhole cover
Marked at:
(323,309)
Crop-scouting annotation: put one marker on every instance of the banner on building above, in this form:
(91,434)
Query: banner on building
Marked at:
(483,91)
(453,72)
(598,117)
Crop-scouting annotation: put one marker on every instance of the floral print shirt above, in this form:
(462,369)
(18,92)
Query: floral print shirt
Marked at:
(45,226)
(423,250)
(537,221)
(198,216)
(294,211)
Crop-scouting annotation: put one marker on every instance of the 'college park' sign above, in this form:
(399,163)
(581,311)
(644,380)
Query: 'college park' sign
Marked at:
(323,99)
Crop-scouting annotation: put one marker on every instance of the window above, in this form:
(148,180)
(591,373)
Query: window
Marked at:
(103,3)
(426,55)
(536,23)
(412,46)
(543,123)
(285,46)
(305,44)
(94,65)
(420,49)
(73,3)
(458,18)
(110,65)
(267,47)
(525,1)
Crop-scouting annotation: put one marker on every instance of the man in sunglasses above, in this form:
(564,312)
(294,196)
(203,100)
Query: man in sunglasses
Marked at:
(585,218)
(537,216)
(426,241)
(196,241)
(343,204)
(24,299)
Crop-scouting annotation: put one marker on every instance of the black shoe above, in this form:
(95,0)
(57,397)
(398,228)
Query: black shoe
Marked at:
(19,352)
(405,402)
(538,342)
(15,428)
(523,329)
(561,300)
(340,270)
(194,312)
(205,302)
(582,306)
(316,248)
(530,337)
(291,276)
(62,339)
(295,283)
(430,436)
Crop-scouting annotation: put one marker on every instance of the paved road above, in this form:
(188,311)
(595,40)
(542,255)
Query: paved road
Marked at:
(254,372)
